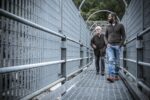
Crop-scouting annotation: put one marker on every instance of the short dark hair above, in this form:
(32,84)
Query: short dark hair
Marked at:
(114,15)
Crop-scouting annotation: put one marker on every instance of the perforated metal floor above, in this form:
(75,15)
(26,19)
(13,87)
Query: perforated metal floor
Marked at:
(96,87)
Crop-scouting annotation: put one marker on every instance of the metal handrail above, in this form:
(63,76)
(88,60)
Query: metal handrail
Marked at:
(144,31)
(138,82)
(86,57)
(144,63)
(34,25)
(29,23)
(78,70)
(138,35)
(29,66)
(130,40)
(69,60)
(68,38)
(139,62)
(52,84)
(131,60)
(145,87)
(128,73)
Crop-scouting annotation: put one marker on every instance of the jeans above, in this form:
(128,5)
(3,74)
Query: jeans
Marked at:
(113,53)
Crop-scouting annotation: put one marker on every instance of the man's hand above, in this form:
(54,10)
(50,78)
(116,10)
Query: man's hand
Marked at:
(108,45)
(94,46)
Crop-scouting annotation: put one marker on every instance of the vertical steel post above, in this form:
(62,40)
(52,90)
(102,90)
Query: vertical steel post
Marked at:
(63,45)
(63,57)
(139,47)
(124,56)
(124,49)
(81,45)
(81,55)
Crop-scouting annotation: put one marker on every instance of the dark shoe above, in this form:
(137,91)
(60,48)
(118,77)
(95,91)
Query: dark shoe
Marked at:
(117,78)
(110,79)
(102,73)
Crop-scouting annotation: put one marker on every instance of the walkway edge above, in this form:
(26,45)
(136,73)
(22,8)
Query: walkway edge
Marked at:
(135,94)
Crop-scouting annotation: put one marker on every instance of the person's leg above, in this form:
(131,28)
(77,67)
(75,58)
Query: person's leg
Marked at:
(102,66)
(111,70)
(117,60)
(97,63)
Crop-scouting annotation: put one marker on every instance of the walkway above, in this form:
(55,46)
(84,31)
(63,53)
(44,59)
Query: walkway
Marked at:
(95,87)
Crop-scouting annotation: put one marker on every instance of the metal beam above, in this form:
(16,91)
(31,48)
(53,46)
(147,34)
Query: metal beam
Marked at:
(81,4)
(124,1)
(29,23)
(28,66)
(99,12)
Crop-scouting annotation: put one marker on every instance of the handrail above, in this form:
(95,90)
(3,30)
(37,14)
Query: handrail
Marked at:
(29,66)
(139,62)
(131,60)
(29,23)
(68,38)
(130,40)
(144,31)
(144,63)
(144,86)
(78,70)
(34,25)
(69,60)
(138,34)
(75,59)
(52,84)
(128,73)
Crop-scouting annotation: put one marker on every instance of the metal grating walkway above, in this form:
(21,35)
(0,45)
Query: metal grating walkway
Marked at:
(96,87)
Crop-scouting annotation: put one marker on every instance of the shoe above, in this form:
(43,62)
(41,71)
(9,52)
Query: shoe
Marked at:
(102,73)
(117,78)
(97,73)
(110,79)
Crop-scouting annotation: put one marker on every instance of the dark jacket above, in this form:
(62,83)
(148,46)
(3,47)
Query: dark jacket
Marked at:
(100,45)
(115,34)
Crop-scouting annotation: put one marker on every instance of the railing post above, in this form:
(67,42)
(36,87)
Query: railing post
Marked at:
(63,57)
(139,48)
(81,55)
(63,44)
(92,55)
(87,56)
(124,56)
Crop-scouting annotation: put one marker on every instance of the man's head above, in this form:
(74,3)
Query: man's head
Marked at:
(98,30)
(112,17)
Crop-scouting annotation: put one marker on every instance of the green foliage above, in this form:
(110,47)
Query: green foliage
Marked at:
(91,6)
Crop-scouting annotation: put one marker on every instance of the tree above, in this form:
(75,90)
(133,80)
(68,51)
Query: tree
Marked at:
(91,6)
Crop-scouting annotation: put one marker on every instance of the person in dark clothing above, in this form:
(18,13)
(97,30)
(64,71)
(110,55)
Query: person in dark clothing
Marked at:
(114,38)
(98,44)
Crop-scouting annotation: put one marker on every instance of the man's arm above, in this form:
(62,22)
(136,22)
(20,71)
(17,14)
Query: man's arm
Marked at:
(92,43)
(106,37)
(123,34)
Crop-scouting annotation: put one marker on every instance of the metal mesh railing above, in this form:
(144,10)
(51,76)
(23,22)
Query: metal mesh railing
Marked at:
(136,56)
(38,46)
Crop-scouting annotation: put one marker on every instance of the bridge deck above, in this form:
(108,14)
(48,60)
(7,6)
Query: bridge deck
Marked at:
(96,87)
